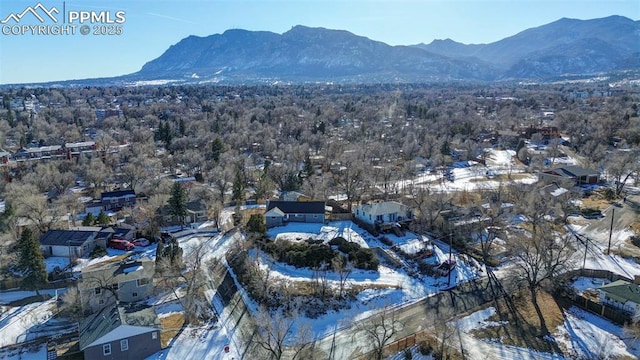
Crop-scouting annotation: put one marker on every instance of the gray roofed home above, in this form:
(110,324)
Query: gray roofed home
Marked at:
(383,212)
(119,333)
(116,200)
(280,212)
(119,282)
(196,212)
(68,243)
(575,174)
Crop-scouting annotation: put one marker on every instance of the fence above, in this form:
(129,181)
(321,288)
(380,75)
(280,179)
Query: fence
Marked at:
(613,314)
(339,216)
(597,273)
(401,344)
(426,337)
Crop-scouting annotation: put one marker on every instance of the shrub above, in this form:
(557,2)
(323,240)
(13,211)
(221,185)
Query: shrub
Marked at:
(609,194)
(385,240)
(345,246)
(425,348)
(97,252)
(408,355)
(309,253)
(256,225)
(365,259)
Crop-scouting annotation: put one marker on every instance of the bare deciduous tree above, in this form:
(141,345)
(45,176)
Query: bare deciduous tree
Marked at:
(540,257)
(280,333)
(342,267)
(379,330)
(621,167)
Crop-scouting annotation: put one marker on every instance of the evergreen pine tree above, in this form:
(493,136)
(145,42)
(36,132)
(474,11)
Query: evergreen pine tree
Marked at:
(238,188)
(308,167)
(31,262)
(89,220)
(178,202)
(182,127)
(217,148)
(103,219)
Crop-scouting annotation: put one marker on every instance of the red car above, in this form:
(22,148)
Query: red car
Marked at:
(120,244)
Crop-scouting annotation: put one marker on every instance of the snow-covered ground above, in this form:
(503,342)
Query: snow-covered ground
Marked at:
(588,336)
(470,175)
(586,283)
(487,348)
(386,287)
(205,342)
(596,257)
(16,322)
(582,336)
(7,297)
(35,353)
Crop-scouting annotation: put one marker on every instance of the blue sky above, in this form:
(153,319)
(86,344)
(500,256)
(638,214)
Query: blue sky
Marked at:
(151,26)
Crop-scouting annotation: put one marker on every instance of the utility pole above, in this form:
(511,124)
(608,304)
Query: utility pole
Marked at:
(450,255)
(613,213)
(586,246)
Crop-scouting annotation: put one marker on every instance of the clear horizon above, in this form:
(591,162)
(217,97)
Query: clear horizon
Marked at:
(151,27)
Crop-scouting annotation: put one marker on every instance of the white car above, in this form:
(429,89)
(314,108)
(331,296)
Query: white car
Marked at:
(141,242)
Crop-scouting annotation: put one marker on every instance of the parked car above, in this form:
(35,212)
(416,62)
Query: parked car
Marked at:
(120,244)
(141,242)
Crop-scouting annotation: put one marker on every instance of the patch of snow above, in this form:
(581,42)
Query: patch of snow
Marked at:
(588,336)
(7,297)
(586,283)
(131,269)
(478,320)
(16,322)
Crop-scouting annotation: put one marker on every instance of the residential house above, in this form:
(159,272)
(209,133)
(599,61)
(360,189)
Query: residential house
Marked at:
(196,212)
(40,153)
(120,282)
(281,212)
(74,150)
(102,114)
(116,200)
(571,174)
(118,333)
(383,215)
(68,243)
(621,295)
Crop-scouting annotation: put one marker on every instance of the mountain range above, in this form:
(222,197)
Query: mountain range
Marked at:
(564,47)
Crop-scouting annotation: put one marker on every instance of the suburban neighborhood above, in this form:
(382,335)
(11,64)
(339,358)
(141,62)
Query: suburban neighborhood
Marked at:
(195,223)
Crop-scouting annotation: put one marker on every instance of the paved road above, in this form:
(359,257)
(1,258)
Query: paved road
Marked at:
(415,317)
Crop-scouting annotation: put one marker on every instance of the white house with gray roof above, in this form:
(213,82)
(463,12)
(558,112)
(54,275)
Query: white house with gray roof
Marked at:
(383,213)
